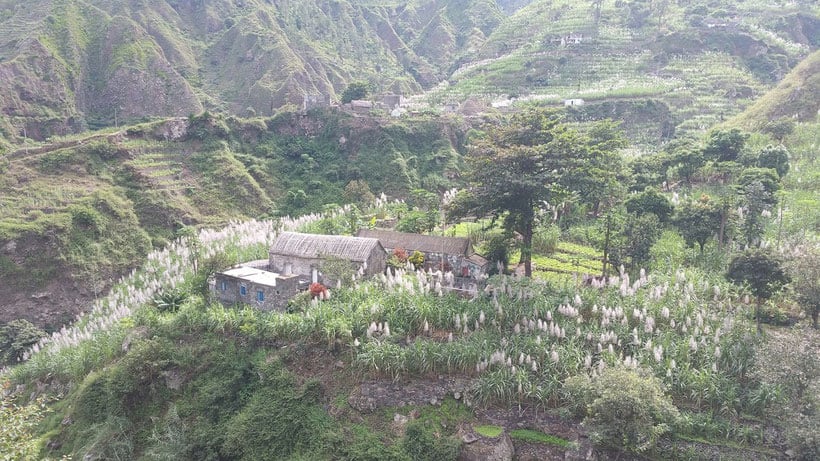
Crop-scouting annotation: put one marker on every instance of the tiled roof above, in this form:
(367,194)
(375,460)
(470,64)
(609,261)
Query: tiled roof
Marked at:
(317,246)
(423,243)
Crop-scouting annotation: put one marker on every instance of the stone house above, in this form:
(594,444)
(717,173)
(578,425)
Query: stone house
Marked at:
(453,254)
(303,254)
(315,101)
(295,261)
(361,106)
(392,101)
(256,287)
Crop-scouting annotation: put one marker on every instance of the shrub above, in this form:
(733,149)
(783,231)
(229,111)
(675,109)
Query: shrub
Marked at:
(16,337)
(170,301)
(278,421)
(416,259)
(545,239)
(422,444)
(398,259)
(17,427)
(624,409)
(317,290)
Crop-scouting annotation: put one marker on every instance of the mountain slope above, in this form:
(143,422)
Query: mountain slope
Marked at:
(70,64)
(77,213)
(796,97)
(705,61)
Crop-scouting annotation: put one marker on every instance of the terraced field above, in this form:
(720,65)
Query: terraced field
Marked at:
(552,51)
(160,166)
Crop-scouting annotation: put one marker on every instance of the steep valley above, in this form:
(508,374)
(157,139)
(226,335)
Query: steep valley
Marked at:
(652,164)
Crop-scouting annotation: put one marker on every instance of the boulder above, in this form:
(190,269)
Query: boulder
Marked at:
(487,448)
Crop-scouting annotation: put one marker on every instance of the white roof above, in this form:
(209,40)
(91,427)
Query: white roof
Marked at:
(256,276)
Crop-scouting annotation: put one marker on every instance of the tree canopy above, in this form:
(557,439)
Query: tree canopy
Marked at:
(725,145)
(356,90)
(531,161)
(774,157)
(760,272)
(698,221)
(650,201)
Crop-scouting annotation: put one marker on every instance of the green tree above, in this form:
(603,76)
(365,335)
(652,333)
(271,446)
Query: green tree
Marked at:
(16,337)
(725,145)
(805,273)
(698,221)
(758,189)
(760,272)
(424,200)
(774,157)
(417,222)
(294,202)
(767,178)
(623,409)
(521,166)
(779,128)
(424,215)
(356,90)
(650,201)
(633,238)
(600,178)
(684,162)
(497,251)
(358,192)
(647,171)
(638,12)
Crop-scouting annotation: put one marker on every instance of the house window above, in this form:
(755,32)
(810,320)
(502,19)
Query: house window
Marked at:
(260,295)
(223,286)
(242,290)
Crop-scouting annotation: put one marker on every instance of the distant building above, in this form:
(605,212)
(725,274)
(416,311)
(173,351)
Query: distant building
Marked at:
(448,254)
(392,101)
(573,39)
(573,102)
(315,101)
(361,105)
(450,107)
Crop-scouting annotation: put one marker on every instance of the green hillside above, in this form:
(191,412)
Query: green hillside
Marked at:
(68,65)
(704,61)
(640,176)
(86,63)
(795,98)
(77,213)
(388,369)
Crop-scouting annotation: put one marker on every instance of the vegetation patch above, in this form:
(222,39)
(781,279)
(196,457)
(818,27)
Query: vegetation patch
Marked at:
(533,436)
(488,430)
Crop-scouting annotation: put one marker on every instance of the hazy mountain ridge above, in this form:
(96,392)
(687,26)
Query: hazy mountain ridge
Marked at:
(706,61)
(74,64)
(68,65)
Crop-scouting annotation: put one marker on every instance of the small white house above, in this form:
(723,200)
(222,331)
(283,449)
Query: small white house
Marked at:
(573,102)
